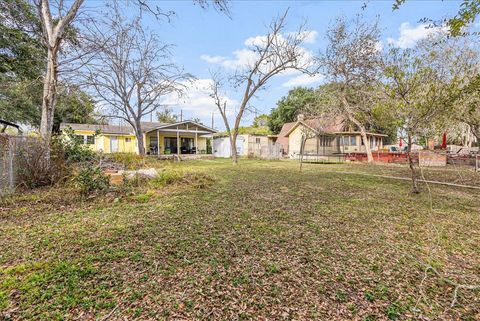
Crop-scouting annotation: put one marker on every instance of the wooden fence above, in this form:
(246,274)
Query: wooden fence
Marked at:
(266,151)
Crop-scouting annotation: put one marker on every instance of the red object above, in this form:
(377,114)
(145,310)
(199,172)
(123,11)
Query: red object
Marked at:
(444,141)
(383,157)
(401,142)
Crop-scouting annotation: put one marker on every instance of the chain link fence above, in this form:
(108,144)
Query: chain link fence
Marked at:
(10,147)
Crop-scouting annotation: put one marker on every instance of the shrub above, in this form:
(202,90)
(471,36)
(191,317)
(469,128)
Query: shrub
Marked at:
(91,180)
(166,178)
(75,150)
(196,180)
(36,169)
(130,184)
(127,160)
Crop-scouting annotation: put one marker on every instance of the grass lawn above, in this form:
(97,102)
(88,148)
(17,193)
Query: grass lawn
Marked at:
(263,242)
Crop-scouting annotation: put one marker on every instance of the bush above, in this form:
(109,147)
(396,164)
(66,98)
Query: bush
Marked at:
(196,180)
(127,160)
(91,180)
(166,178)
(36,169)
(75,150)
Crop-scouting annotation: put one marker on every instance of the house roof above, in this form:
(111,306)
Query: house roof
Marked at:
(282,136)
(164,126)
(324,125)
(106,129)
(149,125)
(127,129)
(7,123)
(358,133)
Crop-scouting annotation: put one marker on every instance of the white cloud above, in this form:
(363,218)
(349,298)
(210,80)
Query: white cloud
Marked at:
(242,58)
(310,36)
(212,59)
(197,101)
(255,41)
(303,80)
(246,56)
(409,35)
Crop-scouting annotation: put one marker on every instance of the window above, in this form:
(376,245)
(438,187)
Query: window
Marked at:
(79,139)
(353,140)
(348,140)
(90,140)
(128,139)
(257,140)
(325,141)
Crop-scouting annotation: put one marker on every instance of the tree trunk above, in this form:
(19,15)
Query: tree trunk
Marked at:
(233,145)
(411,165)
(49,97)
(363,133)
(139,135)
(475,131)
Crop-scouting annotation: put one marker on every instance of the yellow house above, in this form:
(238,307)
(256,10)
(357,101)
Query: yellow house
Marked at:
(326,137)
(185,137)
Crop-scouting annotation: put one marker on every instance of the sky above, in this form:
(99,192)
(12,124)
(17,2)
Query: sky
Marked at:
(207,40)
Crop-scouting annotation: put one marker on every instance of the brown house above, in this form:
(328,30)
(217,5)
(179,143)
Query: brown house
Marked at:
(325,136)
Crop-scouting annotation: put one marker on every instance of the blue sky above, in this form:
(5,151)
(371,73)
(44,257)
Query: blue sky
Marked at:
(203,37)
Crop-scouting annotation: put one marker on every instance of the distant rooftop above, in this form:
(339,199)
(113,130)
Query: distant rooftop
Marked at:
(112,129)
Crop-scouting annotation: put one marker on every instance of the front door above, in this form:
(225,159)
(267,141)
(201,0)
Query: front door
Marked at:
(186,146)
(113,144)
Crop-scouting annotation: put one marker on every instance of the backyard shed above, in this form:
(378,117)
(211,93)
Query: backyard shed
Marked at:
(248,145)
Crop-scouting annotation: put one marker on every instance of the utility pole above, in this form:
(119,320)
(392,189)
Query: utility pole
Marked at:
(181,115)
(212,119)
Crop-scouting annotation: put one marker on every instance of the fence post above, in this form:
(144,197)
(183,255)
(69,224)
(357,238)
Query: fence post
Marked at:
(10,163)
(476,161)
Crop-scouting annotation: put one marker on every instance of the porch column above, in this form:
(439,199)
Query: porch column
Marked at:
(196,140)
(158,142)
(178,141)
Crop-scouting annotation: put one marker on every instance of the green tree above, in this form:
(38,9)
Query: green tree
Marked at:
(261,121)
(422,85)
(289,106)
(466,15)
(167,116)
(21,62)
(22,58)
(73,106)
(21,52)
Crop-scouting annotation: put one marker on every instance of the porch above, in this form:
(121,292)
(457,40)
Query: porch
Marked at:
(186,138)
(184,157)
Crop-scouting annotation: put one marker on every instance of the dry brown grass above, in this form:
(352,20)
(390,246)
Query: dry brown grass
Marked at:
(260,242)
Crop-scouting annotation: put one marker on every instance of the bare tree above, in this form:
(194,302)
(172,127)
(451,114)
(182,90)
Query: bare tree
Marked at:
(132,71)
(53,31)
(56,19)
(271,55)
(352,61)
